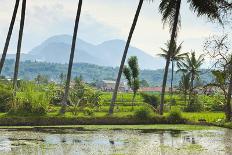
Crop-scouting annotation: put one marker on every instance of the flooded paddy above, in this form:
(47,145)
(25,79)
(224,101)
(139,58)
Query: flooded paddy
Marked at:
(77,141)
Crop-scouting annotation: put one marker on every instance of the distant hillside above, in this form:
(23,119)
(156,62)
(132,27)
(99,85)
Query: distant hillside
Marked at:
(90,72)
(57,49)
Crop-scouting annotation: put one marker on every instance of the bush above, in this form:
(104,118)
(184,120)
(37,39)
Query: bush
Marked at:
(175,116)
(88,112)
(217,106)
(30,103)
(143,113)
(5,97)
(150,99)
(194,106)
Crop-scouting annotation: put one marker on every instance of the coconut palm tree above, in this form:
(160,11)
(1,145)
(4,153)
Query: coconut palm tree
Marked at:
(191,67)
(170,10)
(9,35)
(16,69)
(69,74)
(111,109)
(176,57)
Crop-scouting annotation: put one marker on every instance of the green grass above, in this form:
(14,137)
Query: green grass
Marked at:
(208,116)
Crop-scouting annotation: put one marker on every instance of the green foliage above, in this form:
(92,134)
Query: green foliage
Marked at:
(88,111)
(175,116)
(81,96)
(194,105)
(150,99)
(91,73)
(5,98)
(31,98)
(143,113)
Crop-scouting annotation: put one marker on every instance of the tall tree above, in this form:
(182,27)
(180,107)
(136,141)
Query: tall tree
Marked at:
(9,35)
(176,57)
(69,74)
(170,10)
(132,75)
(111,109)
(218,48)
(191,67)
(16,70)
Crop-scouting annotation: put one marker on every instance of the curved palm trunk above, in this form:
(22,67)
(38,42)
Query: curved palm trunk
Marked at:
(65,98)
(16,70)
(9,35)
(173,37)
(111,109)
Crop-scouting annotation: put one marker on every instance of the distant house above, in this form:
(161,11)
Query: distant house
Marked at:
(109,85)
(154,89)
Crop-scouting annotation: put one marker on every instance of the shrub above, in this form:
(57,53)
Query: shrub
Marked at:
(217,106)
(143,113)
(5,97)
(175,116)
(150,99)
(30,103)
(194,106)
(88,111)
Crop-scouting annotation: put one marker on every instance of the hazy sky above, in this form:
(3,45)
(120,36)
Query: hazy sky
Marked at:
(103,20)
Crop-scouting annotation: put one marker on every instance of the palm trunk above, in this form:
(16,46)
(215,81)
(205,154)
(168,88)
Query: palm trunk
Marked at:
(228,100)
(173,37)
(172,78)
(69,75)
(9,35)
(191,89)
(16,70)
(111,109)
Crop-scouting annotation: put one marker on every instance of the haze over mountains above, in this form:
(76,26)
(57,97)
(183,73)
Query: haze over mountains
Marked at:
(56,49)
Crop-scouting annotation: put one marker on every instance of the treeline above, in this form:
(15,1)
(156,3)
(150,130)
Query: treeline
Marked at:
(29,70)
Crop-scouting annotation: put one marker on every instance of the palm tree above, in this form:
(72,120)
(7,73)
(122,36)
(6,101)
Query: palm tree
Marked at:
(170,10)
(176,57)
(184,86)
(9,35)
(111,109)
(191,67)
(16,70)
(67,86)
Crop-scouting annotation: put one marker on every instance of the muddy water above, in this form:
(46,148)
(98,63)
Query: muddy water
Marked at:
(115,142)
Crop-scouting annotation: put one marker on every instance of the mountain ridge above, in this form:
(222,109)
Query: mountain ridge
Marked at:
(108,53)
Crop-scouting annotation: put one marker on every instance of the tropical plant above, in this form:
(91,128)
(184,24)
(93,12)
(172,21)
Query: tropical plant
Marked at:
(170,10)
(69,74)
(184,85)
(111,109)
(20,37)
(9,35)
(132,75)
(150,99)
(176,57)
(191,67)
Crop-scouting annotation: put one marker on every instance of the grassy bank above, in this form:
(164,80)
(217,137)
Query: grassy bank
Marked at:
(180,127)
(100,118)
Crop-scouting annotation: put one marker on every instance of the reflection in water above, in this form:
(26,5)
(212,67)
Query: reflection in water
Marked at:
(115,142)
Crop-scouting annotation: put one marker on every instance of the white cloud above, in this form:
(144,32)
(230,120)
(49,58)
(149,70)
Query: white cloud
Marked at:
(103,20)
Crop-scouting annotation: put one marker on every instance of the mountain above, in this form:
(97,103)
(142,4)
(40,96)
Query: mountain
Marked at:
(56,49)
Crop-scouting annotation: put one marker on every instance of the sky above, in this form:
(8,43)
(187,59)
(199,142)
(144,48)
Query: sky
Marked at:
(103,20)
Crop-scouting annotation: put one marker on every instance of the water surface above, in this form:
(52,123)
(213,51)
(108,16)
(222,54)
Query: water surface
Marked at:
(115,142)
